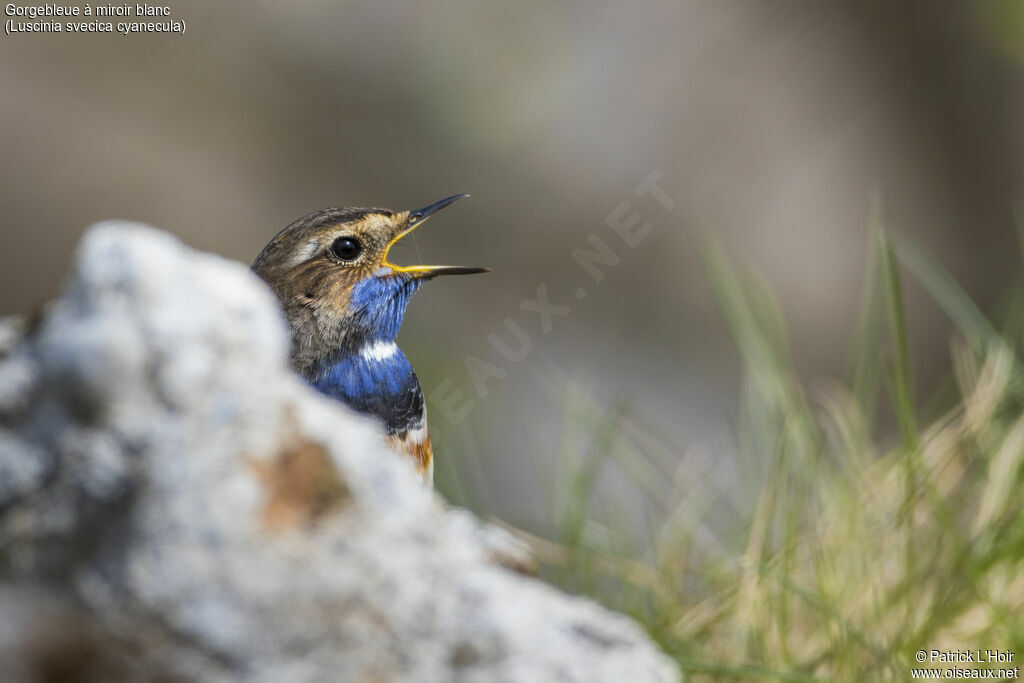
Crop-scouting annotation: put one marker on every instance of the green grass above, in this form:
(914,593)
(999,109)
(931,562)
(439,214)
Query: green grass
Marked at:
(872,531)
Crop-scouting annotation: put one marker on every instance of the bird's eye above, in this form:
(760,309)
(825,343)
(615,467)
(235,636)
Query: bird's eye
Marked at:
(347,248)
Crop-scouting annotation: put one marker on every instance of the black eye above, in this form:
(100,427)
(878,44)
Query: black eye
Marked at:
(347,248)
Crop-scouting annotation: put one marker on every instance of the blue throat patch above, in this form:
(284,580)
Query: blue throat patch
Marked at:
(386,387)
(378,303)
(377,378)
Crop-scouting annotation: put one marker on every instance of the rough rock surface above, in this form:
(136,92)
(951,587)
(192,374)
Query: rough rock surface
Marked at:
(175,504)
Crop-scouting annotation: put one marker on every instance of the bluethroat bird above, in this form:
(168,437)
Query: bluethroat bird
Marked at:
(345,302)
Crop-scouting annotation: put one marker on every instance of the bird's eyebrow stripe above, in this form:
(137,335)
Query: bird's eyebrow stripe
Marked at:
(305,251)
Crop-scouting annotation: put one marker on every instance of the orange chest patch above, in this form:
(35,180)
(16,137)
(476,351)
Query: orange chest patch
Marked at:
(418,449)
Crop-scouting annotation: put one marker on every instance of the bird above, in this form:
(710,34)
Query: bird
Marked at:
(345,301)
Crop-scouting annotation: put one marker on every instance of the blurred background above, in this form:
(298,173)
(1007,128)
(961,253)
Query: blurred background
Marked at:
(771,125)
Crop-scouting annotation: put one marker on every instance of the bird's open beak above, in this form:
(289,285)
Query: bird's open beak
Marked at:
(416,219)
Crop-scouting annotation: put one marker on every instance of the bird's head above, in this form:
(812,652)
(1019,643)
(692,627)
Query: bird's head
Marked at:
(330,269)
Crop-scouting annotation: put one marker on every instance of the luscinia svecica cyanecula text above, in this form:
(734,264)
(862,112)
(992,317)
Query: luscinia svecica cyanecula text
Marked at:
(345,302)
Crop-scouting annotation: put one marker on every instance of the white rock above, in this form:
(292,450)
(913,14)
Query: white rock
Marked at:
(219,520)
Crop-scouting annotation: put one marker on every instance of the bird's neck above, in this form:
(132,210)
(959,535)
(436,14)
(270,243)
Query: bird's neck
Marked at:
(357,361)
(324,332)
